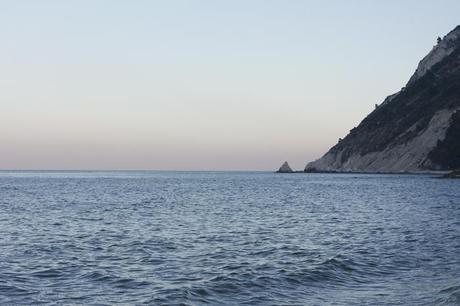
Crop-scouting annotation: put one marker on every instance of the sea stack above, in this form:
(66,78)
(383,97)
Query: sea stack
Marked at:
(285,168)
(414,130)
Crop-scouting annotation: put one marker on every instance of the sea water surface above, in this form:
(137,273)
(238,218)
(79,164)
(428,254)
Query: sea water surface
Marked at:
(223,238)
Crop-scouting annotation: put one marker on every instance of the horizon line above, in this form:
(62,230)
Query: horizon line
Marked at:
(125,170)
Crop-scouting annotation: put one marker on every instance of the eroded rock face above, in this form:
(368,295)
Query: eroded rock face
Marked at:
(285,168)
(444,48)
(416,129)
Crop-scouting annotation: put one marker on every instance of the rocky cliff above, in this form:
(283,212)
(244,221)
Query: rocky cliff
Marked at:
(416,129)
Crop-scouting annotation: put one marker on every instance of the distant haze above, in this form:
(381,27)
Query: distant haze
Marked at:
(200,85)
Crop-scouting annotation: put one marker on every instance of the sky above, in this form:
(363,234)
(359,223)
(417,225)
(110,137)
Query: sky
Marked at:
(200,85)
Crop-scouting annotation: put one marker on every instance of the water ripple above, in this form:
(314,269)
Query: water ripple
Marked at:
(228,239)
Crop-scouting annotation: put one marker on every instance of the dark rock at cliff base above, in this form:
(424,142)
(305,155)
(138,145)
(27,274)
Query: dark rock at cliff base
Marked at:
(453,174)
(285,168)
(416,129)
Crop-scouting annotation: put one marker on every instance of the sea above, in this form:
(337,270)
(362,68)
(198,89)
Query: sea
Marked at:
(228,238)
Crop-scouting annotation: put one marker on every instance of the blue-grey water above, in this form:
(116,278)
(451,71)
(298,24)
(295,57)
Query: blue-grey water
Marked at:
(165,238)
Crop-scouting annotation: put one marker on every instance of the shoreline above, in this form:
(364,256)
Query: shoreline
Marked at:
(443,172)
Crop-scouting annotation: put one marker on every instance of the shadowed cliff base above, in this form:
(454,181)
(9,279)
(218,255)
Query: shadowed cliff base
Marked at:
(453,175)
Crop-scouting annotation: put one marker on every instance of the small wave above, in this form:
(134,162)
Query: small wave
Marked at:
(13,290)
(450,296)
(48,273)
(96,276)
(334,271)
(112,280)
(129,283)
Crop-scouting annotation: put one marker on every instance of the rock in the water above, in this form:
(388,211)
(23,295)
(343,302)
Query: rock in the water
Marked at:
(416,129)
(285,168)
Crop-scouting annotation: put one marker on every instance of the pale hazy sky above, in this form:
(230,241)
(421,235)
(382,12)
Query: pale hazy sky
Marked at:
(199,85)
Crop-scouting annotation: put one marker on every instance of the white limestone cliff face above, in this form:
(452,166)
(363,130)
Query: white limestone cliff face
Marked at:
(444,48)
(407,157)
(414,129)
